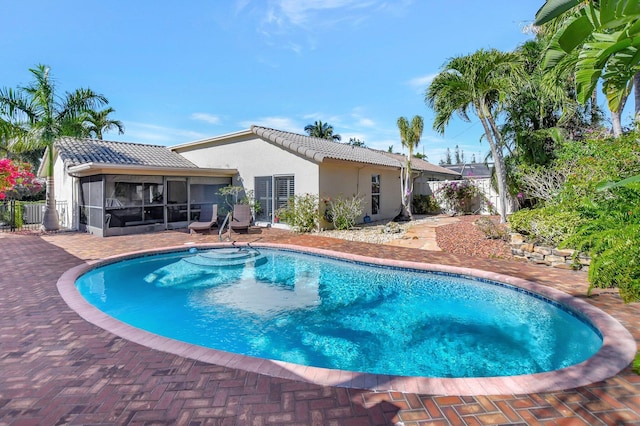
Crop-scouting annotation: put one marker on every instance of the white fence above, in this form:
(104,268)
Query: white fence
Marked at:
(483,185)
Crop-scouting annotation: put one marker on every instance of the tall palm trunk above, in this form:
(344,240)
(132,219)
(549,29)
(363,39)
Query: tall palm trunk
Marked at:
(616,117)
(491,132)
(50,220)
(636,95)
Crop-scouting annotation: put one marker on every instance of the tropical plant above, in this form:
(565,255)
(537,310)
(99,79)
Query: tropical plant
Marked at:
(548,225)
(344,212)
(606,33)
(461,197)
(97,122)
(322,130)
(410,134)
(16,180)
(425,204)
(235,194)
(481,82)
(544,111)
(356,142)
(611,235)
(301,213)
(38,116)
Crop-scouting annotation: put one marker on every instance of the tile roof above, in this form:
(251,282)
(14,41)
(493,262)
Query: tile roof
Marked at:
(75,151)
(424,166)
(317,149)
(472,170)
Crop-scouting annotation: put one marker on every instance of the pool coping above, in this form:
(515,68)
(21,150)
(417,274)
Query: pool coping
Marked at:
(617,352)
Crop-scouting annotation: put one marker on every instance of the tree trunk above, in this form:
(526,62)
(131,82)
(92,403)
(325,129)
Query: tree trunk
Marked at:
(636,95)
(50,220)
(498,162)
(407,188)
(616,117)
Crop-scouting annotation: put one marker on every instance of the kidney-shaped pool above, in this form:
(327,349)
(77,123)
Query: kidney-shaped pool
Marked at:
(319,311)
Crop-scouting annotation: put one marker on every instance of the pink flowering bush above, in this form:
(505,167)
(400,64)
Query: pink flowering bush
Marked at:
(462,197)
(459,196)
(16,179)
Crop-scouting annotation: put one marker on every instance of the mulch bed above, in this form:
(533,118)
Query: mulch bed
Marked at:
(465,238)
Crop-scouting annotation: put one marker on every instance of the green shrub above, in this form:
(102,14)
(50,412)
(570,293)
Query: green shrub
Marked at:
(5,214)
(619,264)
(636,363)
(592,162)
(547,225)
(344,212)
(604,222)
(425,204)
(19,215)
(611,235)
(301,213)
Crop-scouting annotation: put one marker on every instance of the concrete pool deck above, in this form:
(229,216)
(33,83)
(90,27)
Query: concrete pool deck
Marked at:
(59,369)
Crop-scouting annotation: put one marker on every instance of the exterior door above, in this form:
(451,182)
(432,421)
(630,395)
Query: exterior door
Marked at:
(264,196)
(272,192)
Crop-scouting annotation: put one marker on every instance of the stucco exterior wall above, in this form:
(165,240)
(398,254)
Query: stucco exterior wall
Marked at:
(252,157)
(339,178)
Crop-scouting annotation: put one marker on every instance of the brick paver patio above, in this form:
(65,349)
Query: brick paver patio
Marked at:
(56,368)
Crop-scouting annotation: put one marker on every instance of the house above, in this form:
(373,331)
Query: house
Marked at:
(277,165)
(425,173)
(117,188)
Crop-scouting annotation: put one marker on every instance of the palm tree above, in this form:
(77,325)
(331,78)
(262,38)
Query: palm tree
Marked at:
(606,35)
(410,135)
(38,116)
(322,130)
(480,82)
(97,122)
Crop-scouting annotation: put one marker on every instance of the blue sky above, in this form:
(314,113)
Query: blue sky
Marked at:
(177,72)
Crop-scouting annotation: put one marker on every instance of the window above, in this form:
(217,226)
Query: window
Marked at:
(273,192)
(375,194)
(284,189)
(264,195)
(90,201)
(133,200)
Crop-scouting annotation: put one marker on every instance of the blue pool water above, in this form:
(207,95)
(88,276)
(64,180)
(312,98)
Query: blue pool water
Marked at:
(331,313)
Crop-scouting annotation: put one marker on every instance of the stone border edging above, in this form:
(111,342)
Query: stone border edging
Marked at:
(617,352)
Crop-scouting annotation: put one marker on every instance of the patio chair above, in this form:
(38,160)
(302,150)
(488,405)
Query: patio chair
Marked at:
(205,226)
(241,219)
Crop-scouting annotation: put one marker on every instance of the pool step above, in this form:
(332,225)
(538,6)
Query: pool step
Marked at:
(226,257)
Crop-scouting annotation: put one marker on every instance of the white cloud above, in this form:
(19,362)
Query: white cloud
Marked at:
(365,122)
(208,118)
(302,19)
(298,12)
(421,83)
(241,4)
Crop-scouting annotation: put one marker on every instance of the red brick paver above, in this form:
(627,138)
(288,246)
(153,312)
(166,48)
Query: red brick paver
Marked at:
(56,368)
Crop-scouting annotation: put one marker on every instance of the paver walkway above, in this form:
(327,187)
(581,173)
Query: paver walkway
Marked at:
(423,235)
(55,368)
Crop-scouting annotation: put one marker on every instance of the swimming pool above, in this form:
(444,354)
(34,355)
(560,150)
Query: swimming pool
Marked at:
(346,315)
